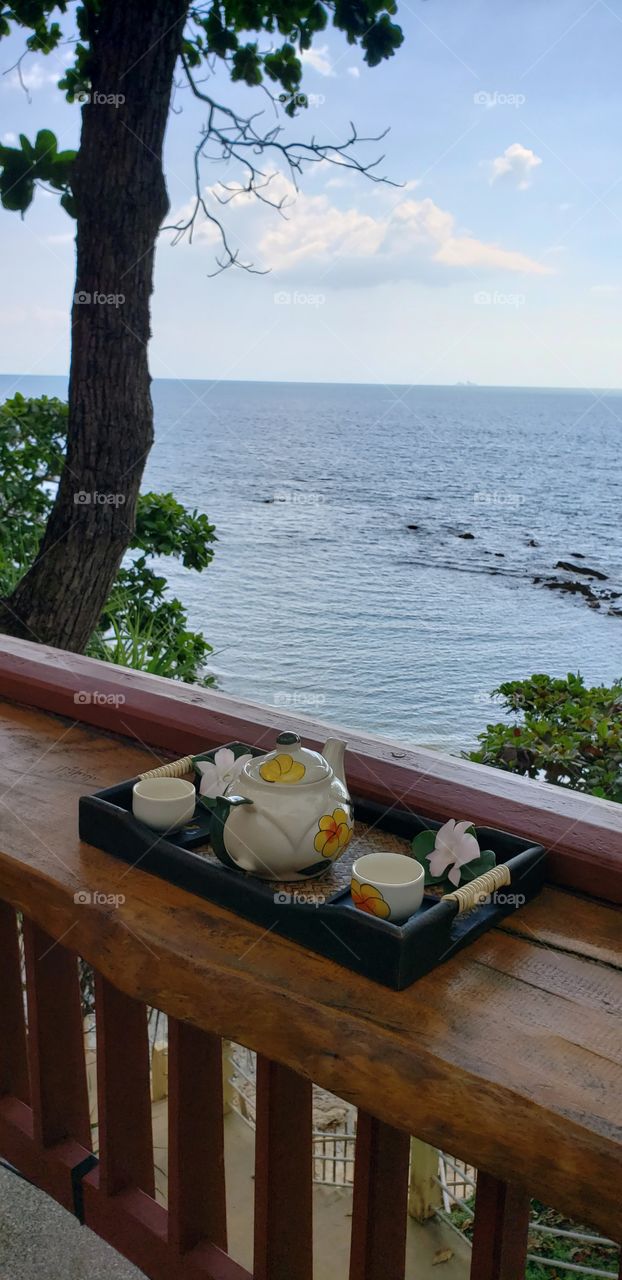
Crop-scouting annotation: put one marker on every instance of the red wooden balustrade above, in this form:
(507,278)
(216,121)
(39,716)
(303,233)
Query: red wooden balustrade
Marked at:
(283,1174)
(44,1132)
(500,1230)
(44,1112)
(196,1158)
(379,1212)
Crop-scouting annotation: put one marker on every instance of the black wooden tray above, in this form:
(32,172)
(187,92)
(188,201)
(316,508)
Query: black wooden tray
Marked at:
(394,955)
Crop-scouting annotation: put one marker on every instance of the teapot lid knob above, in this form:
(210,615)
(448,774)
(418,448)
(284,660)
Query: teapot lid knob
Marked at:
(288,740)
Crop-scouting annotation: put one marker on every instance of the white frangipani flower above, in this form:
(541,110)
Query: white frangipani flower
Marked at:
(216,776)
(455,846)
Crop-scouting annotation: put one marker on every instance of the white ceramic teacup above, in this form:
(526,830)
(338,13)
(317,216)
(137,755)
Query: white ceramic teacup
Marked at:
(387,885)
(163,803)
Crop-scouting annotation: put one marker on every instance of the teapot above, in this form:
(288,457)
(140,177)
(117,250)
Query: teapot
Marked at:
(288,814)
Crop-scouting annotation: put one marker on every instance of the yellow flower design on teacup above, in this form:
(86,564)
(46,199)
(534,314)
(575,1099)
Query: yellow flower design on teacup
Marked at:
(368,898)
(333,834)
(282,768)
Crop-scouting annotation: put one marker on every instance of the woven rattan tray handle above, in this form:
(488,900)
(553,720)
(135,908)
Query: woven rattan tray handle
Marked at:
(176,769)
(471,895)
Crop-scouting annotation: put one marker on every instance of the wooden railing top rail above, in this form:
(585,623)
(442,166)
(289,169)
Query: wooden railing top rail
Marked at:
(582,833)
(508,1055)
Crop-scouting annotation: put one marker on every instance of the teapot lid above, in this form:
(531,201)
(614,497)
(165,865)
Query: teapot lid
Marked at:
(290,763)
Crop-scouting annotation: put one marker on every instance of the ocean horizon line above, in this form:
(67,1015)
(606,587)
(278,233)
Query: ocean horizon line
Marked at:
(409,386)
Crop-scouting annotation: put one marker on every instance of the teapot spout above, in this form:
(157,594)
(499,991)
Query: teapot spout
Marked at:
(334,752)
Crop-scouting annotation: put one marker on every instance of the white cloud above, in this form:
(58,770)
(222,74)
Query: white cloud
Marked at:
(415,238)
(8,139)
(318,59)
(353,71)
(604,290)
(402,238)
(35,75)
(517,163)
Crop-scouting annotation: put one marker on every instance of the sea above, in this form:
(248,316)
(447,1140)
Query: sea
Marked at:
(378,545)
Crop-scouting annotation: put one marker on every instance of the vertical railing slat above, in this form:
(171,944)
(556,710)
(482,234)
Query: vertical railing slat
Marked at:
(283,1174)
(59,1095)
(380,1201)
(196,1160)
(500,1230)
(123,1091)
(13,1052)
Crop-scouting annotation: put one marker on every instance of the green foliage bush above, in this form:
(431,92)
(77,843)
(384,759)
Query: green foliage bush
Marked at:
(564,732)
(142,625)
(595,1257)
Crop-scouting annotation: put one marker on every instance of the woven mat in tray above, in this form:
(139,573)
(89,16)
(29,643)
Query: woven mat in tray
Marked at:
(365,840)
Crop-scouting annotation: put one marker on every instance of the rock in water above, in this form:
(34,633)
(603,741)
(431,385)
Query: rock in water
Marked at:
(574,588)
(578,568)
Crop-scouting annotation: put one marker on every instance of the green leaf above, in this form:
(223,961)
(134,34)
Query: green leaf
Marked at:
(471,870)
(423,845)
(27,148)
(16,190)
(68,203)
(45,145)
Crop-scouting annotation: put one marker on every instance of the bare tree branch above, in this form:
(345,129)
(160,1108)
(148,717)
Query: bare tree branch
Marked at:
(227,135)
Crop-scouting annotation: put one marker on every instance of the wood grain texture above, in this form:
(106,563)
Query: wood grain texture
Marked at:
(196,1155)
(500,1230)
(283,1175)
(583,834)
(507,1055)
(13,1059)
(380,1201)
(123,1092)
(589,929)
(56,1062)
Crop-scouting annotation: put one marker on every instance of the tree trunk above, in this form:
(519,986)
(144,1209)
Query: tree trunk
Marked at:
(121,201)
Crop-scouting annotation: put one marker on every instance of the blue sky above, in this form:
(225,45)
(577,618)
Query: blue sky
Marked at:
(497,261)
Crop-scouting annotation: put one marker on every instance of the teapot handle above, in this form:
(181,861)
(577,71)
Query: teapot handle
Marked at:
(217,828)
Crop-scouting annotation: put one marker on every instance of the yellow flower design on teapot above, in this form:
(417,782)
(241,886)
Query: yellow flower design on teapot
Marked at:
(282,768)
(333,834)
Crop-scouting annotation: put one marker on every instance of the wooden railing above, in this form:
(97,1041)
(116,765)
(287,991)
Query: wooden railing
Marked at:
(404,1058)
(45,1133)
